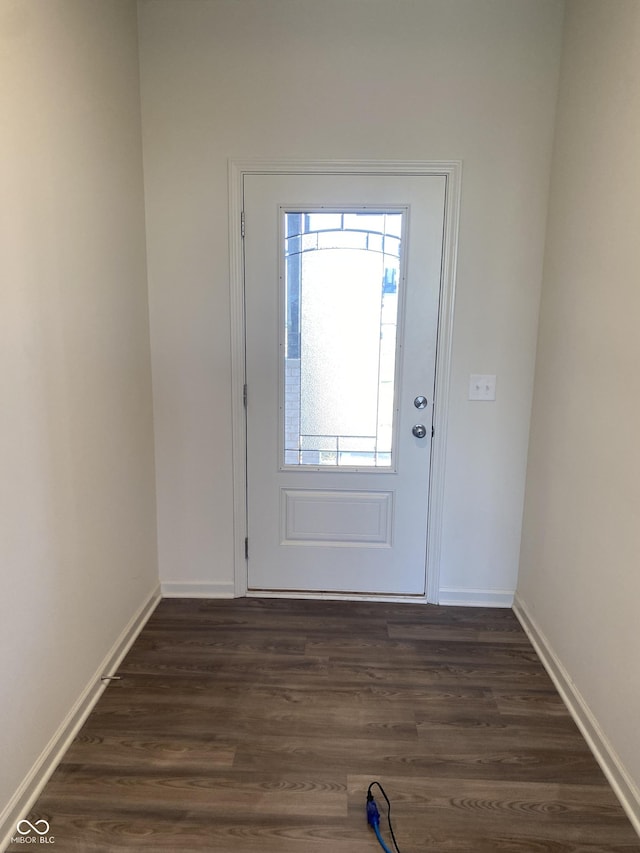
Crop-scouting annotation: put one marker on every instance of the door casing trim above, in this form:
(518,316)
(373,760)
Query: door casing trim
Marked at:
(452,171)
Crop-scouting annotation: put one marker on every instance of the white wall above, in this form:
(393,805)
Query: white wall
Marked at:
(579,577)
(77,506)
(436,79)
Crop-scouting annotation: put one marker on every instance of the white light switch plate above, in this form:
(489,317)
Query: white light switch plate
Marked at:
(482,386)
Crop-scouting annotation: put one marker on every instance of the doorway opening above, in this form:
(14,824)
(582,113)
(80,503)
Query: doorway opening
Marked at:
(294,405)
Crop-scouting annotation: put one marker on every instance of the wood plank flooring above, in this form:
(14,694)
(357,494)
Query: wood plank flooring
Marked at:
(256,725)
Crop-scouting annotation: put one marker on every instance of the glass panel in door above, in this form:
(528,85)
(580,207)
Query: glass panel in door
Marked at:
(342,289)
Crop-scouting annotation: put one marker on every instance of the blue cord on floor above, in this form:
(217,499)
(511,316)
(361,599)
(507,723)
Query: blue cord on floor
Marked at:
(376,829)
(373,817)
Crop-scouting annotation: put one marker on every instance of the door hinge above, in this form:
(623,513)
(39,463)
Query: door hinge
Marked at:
(433,431)
(246,547)
(242,224)
(244,396)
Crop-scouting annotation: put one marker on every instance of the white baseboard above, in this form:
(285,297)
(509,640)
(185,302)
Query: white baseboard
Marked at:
(188,589)
(623,785)
(476,597)
(448,596)
(32,785)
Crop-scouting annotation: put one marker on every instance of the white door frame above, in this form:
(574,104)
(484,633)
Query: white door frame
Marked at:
(452,171)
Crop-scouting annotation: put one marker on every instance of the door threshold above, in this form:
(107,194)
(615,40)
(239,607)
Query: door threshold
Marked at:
(420,598)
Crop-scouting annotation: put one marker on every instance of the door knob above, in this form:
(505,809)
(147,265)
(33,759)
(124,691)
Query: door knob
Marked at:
(419,430)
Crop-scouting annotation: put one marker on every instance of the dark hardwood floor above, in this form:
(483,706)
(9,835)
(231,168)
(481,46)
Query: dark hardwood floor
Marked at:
(256,725)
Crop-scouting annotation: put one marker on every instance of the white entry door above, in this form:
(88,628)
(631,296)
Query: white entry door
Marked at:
(342,284)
